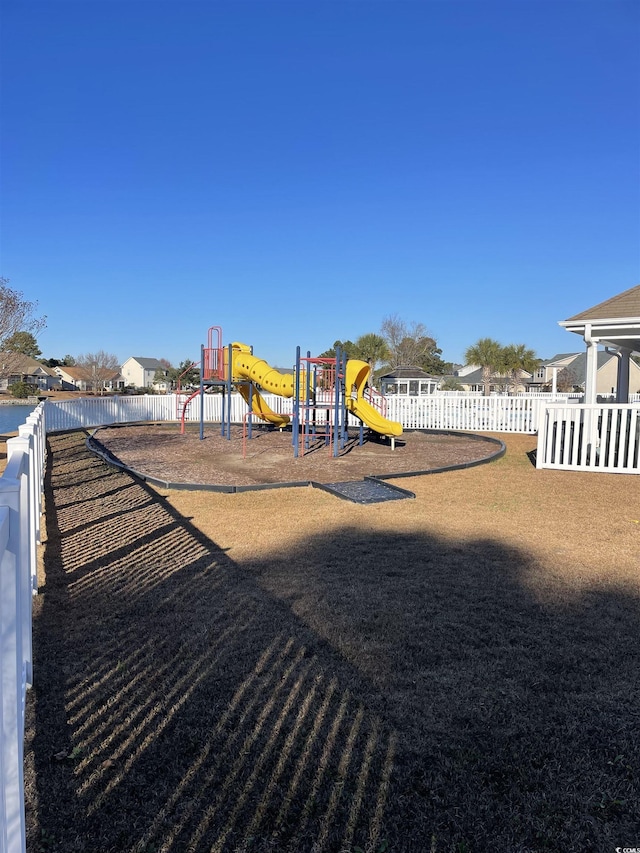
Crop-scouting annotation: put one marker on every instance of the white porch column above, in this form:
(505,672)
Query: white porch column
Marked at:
(591,380)
(622,386)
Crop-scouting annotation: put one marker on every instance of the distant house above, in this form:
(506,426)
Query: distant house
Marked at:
(574,367)
(141,372)
(80,379)
(470,379)
(72,378)
(408,381)
(15,367)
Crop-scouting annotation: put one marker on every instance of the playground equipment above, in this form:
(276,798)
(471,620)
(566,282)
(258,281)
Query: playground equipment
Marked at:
(324,391)
(357,377)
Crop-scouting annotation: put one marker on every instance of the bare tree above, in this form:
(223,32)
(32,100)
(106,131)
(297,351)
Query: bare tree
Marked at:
(409,343)
(17,314)
(99,368)
(567,380)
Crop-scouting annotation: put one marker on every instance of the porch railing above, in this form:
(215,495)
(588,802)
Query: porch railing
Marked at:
(596,437)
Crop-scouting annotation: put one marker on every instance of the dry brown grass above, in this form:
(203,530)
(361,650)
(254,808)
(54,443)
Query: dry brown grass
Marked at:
(285,671)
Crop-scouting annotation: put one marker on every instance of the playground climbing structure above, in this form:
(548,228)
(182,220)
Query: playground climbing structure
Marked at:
(324,392)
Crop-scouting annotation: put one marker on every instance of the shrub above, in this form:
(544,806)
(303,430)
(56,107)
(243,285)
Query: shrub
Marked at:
(22,390)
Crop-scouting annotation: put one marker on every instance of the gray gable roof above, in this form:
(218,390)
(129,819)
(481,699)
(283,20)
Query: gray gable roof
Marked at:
(149,363)
(625,305)
(16,362)
(579,364)
(407,373)
(560,356)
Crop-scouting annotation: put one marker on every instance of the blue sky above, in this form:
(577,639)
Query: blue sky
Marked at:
(297,171)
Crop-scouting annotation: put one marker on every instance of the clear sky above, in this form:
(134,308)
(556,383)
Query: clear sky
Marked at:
(297,171)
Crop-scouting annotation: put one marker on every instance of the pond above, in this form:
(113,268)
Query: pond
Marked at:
(11,417)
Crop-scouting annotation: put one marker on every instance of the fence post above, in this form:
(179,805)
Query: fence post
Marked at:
(541,449)
(12,832)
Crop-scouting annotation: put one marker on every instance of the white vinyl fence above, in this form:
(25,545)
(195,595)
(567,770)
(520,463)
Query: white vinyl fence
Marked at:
(597,437)
(471,412)
(602,437)
(20,511)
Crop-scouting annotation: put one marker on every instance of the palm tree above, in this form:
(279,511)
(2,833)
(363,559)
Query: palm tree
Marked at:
(372,348)
(486,353)
(516,360)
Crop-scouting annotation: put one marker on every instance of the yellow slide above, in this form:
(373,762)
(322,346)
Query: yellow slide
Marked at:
(247,366)
(355,382)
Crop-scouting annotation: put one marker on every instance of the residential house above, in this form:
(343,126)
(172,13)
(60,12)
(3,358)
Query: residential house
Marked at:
(73,378)
(574,366)
(470,379)
(16,367)
(78,378)
(408,381)
(141,372)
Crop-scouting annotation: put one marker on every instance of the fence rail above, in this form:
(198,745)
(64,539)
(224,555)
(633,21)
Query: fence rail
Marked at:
(20,511)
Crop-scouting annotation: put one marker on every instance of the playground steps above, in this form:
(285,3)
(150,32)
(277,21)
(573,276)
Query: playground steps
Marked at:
(367,491)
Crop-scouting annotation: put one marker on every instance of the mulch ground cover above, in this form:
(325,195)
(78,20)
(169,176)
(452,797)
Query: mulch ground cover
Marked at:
(160,450)
(284,671)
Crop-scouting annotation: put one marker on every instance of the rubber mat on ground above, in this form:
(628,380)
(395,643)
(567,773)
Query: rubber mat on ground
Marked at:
(367,491)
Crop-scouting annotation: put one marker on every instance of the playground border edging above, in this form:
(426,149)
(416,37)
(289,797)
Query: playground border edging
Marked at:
(113,461)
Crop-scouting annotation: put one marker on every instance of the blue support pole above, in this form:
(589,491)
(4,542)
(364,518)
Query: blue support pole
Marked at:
(229,389)
(344,435)
(249,431)
(336,405)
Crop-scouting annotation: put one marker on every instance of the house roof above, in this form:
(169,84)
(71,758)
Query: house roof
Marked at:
(615,321)
(407,373)
(561,356)
(16,362)
(148,363)
(579,363)
(82,373)
(624,305)
(74,372)
(475,378)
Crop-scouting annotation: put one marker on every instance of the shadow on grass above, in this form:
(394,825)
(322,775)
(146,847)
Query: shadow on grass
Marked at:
(365,691)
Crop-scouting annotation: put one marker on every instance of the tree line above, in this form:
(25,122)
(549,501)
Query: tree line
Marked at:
(402,344)
(399,343)
(511,361)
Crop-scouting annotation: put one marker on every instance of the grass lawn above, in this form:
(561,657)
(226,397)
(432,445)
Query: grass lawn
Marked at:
(285,671)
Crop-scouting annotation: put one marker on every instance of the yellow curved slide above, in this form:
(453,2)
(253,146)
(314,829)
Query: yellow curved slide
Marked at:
(260,408)
(247,366)
(356,378)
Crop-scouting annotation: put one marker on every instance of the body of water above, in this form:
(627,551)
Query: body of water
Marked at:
(11,417)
